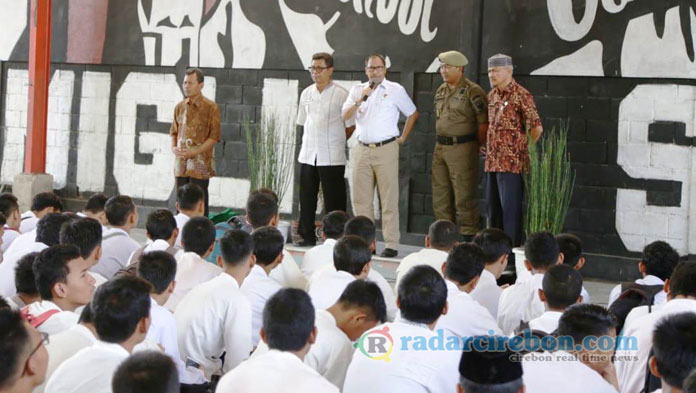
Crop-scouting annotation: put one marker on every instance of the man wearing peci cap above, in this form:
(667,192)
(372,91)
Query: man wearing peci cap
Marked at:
(489,371)
(461,121)
(513,117)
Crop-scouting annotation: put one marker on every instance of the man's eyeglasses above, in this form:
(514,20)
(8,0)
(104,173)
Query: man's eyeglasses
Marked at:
(374,68)
(44,341)
(316,69)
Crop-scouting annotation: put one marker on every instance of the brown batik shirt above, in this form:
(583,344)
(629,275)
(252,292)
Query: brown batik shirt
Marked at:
(511,115)
(196,120)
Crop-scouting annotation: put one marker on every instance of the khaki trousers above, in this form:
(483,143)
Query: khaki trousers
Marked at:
(454,179)
(380,165)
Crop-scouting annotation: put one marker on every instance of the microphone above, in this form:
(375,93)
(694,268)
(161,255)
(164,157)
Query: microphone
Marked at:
(372,86)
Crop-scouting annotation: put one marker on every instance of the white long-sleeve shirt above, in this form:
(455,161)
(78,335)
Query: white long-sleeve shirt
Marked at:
(465,316)
(64,345)
(258,287)
(487,292)
(288,273)
(7,267)
(29,221)
(317,257)
(520,302)
(117,247)
(191,270)
(56,323)
(560,371)
(89,371)
(427,256)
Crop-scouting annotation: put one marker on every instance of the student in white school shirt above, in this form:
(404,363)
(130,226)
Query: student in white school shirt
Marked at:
(86,235)
(9,207)
(146,372)
(63,280)
(681,298)
(198,237)
(25,282)
(561,289)
(319,256)
(520,302)
(258,286)
(162,233)
(411,367)
(23,352)
(359,309)
(289,331)
(95,208)
(190,203)
(117,245)
(655,266)
(121,318)
(496,246)
(465,316)
(570,247)
(43,203)
(674,351)
(215,317)
(589,369)
(442,236)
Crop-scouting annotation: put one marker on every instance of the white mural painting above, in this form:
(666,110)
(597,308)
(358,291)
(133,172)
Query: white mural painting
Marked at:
(13,22)
(94,131)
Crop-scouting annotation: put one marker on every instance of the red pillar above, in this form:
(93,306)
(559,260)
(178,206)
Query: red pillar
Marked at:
(39,74)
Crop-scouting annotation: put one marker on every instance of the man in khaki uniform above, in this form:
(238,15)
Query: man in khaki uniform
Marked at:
(461,124)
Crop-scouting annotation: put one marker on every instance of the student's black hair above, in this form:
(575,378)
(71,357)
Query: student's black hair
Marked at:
(443,234)
(15,343)
(160,224)
(24,275)
(571,247)
(351,254)
(189,196)
(197,235)
(583,320)
(157,268)
(268,244)
(83,233)
(8,204)
(366,295)
(96,202)
(146,372)
(422,295)
(464,263)
(541,250)
(683,280)
(361,226)
(562,286)
(288,319)
(51,267)
(48,228)
(261,207)
(43,200)
(334,223)
(494,243)
(235,247)
(118,209)
(117,307)
(659,259)
(674,347)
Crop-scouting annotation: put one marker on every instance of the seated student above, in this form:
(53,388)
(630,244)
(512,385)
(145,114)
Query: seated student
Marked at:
(25,282)
(198,238)
(560,289)
(95,208)
(422,300)
(146,372)
(360,308)
(674,351)
(322,255)
(631,363)
(570,247)
(9,207)
(262,210)
(496,246)
(258,287)
(64,345)
(42,204)
(46,234)
(117,245)
(22,354)
(63,280)
(588,369)
(161,234)
(655,266)
(190,203)
(520,302)
(121,317)
(85,234)
(490,372)
(442,237)
(215,316)
(289,331)
(465,316)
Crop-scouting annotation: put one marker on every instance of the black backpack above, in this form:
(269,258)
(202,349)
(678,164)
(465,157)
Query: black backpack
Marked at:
(633,295)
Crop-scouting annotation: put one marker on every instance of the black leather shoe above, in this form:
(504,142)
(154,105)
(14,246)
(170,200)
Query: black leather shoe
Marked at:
(306,243)
(389,253)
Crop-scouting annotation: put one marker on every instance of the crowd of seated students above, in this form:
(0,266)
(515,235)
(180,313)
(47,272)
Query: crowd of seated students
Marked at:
(85,308)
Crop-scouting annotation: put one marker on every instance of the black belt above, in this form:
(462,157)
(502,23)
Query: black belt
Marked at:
(455,140)
(378,144)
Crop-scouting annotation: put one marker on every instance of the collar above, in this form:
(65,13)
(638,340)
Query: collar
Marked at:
(433,252)
(6,228)
(47,305)
(257,270)
(228,279)
(84,331)
(552,314)
(328,86)
(453,290)
(28,214)
(650,280)
(487,276)
(196,101)
(193,257)
(114,229)
(157,245)
(400,319)
(181,214)
(329,242)
(284,356)
(115,349)
(507,89)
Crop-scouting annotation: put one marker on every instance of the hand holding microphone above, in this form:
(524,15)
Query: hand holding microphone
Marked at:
(368,90)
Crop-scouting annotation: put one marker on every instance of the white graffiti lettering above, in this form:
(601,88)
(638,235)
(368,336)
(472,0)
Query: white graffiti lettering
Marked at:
(410,14)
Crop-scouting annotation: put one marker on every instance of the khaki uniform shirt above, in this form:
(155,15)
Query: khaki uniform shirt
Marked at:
(459,111)
(196,120)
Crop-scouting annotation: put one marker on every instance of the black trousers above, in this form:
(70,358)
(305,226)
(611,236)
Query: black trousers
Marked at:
(180,181)
(333,185)
(504,193)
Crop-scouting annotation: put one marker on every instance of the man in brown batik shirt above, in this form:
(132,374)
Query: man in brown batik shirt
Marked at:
(512,115)
(194,132)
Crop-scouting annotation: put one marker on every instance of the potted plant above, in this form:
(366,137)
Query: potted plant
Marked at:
(548,187)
